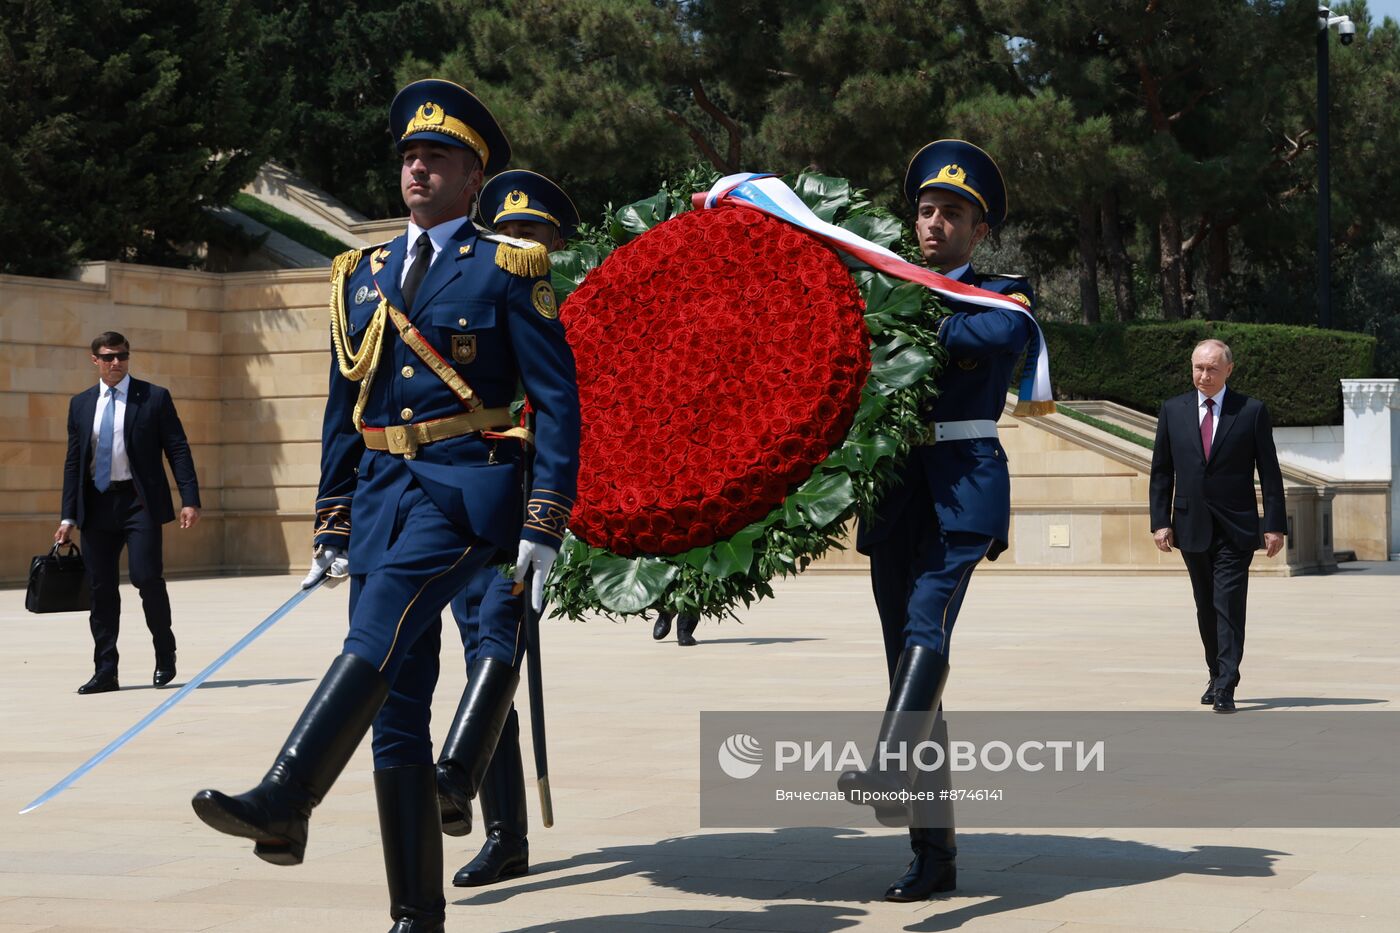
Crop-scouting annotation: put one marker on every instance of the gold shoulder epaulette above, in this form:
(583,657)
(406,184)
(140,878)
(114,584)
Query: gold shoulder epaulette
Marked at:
(520,257)
(344,264)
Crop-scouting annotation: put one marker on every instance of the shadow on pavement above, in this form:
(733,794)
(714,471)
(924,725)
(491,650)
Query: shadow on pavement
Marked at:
(810,918)
(815,866)
(216,684)
(753,641)
(1260,703)
(269,681)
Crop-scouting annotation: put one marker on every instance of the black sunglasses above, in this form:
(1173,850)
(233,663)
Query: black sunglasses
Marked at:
(121,357)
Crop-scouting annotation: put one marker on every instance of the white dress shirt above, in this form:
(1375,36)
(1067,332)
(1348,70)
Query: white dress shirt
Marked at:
(121,465)
(1215,413)
(439,235)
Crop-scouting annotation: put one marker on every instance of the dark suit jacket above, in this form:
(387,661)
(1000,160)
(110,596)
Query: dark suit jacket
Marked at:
(1187,491)
(150,427)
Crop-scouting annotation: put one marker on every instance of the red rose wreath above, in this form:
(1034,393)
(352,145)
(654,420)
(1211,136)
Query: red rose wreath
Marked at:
(721,357)
(743,391)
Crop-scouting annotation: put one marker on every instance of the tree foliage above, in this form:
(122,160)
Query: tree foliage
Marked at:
(1161,155)
(119,123)
(339,63)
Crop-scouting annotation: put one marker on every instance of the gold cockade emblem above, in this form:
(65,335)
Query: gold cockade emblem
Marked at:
(952,173)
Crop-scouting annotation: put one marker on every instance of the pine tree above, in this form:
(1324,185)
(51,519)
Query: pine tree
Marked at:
(120,123)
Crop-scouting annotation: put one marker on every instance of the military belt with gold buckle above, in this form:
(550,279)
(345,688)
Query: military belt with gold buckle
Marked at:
(405,439)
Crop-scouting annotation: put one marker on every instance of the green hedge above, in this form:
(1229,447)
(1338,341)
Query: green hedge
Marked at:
(297,230)
(1294,370)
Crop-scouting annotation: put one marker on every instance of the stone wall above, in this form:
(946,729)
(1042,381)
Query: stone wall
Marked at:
(245,357)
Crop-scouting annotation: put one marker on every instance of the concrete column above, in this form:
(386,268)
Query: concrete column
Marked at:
(1371,423)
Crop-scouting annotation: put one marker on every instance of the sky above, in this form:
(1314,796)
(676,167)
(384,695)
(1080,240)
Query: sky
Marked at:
(1380,9)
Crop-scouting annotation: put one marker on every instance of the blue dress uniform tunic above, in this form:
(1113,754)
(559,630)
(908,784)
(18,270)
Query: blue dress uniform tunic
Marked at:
(952,505)
(419,527)
(489,616)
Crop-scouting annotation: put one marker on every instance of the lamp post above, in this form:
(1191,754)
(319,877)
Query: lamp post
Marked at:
(1346,31)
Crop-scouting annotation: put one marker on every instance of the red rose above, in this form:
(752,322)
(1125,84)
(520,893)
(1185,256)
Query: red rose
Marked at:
(713,510)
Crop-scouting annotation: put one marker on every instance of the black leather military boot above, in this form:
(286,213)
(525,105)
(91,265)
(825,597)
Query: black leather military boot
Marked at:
(662,628)
(685,630)
(275,813)
(931,835)
(506,852)
(934,868)
(915,693)
(472,739)
(412,838)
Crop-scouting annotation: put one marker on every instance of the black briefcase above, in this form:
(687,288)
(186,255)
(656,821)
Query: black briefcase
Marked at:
(58,582)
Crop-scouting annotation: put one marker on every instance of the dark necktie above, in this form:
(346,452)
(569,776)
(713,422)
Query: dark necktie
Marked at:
(418,270)
(106,440)
(1207,429)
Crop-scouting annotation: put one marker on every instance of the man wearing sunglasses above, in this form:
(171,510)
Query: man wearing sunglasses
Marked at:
(115,490)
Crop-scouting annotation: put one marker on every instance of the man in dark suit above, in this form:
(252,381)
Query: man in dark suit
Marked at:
(1209,444)
(115,490)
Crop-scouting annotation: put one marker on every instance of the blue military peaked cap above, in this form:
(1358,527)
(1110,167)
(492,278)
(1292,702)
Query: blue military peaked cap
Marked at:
(962,168)
(437,110)
(522,195)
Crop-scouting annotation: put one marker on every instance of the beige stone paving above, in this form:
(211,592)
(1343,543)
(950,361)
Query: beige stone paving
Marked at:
(122,851)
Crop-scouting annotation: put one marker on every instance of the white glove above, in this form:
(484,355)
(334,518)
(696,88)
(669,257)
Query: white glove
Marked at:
(540,557)
(329,562)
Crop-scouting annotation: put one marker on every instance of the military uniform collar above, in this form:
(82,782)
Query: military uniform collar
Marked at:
(441,234)
(960,272)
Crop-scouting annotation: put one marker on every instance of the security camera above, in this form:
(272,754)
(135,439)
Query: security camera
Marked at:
(1346,31)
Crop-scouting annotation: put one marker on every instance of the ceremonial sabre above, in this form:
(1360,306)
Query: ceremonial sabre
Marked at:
(534,677)
(535,680)
(179,695)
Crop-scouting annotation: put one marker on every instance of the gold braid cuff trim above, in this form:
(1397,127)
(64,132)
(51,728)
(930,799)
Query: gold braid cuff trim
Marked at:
(528,261)
(425,352)
(546,516)
(1030,409)
(332,522)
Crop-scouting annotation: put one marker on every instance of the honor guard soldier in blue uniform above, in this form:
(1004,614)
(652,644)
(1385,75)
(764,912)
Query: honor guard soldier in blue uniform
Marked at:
(420,486)
(489,612)
(951,507)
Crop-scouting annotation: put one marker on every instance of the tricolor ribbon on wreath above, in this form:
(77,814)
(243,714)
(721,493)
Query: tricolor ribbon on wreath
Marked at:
(768,194)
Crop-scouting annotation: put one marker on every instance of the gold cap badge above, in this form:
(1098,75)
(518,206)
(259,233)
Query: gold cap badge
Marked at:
(956,176)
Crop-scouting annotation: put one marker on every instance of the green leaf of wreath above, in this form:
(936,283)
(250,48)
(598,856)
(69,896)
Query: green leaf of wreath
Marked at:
(899,363)
(889,303)
(884,231)
(824,195)
(640,216)
(568,267)
(628,584)
(825,497)
(735,555)
(861,454)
